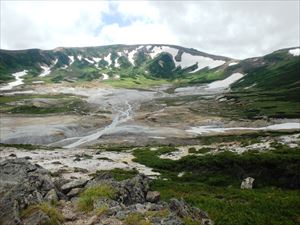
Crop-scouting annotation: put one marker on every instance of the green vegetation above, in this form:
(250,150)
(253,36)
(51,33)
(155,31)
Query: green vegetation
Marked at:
(136,219)
(55,216)
(233,206)
(30,104)
(26,146)
(91,194)
(199,151)
(119,174)
(212,182)
(138,82)
(278,167)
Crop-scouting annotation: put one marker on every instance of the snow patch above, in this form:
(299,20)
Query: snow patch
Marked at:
(211,129)
(117,63)
(19,80)
(251,86)
(233,63)
(105,76)
(88,60)
(130,56)
(222,84)
(72,59)
(108,59)
(187,59)
(96,59)
(38,82)
(295,51)
(79,57)
(47,69)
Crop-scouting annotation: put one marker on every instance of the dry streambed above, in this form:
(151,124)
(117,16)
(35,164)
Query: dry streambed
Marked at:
(135,117)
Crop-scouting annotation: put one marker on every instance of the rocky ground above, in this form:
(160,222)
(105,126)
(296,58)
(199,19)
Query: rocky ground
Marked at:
(60,115)
(31,196)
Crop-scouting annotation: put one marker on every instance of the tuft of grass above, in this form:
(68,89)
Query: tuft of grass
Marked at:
(55,216)
(189,221)
(88,196)
(160,213)
(102,210)
(136,219)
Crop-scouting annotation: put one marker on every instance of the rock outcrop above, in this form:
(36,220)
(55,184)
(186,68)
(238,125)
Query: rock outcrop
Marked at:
(24,185)
(21,184)
(247,183)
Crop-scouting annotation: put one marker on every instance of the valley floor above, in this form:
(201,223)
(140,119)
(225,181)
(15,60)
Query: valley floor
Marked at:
(195,143)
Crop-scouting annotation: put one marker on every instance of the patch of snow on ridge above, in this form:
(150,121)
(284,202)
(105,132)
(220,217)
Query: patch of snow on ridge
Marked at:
(15,83)
(131,55)
(159,49)
(232,63)
(222,84)
(117,63)
(187,59)
(96,59)
(108,59)
(47,69)
(79,57)
(201,61)
(90,61)
(105,76)
(251,86)
(295,51)
(72,59)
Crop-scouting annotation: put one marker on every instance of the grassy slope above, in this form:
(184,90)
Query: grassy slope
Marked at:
(67,104)
(212,183)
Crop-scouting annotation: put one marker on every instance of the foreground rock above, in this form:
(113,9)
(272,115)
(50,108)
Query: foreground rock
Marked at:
(29,188)
(21,184)
(247,183)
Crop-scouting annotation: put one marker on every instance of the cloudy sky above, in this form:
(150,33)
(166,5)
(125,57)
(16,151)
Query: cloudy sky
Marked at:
(232,28)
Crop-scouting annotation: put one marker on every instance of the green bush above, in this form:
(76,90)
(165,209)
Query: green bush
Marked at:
(55,216)
(88,196)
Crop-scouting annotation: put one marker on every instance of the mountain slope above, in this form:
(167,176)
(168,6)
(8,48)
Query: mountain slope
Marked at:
(156,61)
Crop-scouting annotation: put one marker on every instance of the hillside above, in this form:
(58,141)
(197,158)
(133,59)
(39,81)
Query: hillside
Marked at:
(114,61)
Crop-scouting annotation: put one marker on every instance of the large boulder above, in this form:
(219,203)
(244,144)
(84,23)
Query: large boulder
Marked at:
(21,184)
(153,196)
(183,210)
(74,184)
(247,183)
(130,191)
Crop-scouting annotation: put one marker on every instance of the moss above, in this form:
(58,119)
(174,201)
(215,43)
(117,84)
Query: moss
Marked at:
(88,196)
(160,213)
(189,221)
(55,216)
(102,210)
(136,219)
(25,146)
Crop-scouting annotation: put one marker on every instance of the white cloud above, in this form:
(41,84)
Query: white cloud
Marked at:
(137,33)
(233,28)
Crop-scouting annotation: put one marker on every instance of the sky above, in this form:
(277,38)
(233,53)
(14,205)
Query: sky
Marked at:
(238,29)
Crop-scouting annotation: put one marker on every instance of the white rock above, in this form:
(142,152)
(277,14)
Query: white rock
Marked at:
(247,183)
